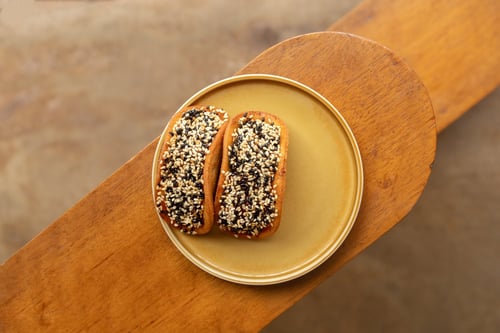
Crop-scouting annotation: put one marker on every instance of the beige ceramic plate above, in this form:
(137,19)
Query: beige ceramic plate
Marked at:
(323,190)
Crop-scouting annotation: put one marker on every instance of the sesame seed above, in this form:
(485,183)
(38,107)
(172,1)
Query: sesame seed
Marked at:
(248,201)
(181,166)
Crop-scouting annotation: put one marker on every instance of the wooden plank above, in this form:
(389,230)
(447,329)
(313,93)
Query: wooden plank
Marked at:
(106,265)
(452,45)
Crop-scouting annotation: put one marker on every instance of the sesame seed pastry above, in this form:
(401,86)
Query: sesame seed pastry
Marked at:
(251,184)
(188,168)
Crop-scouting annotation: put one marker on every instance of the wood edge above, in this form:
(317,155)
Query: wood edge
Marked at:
(444,122)
(361,16)
(103,184)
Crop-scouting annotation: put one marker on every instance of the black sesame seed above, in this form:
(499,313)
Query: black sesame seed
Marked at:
(253,160)
(182,166)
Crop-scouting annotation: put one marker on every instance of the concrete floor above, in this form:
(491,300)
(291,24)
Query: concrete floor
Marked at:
(85,85)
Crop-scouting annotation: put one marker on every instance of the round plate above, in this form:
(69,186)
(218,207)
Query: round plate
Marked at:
(323,187)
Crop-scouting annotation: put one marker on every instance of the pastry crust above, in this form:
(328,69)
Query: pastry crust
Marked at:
(278,182)
(211,167)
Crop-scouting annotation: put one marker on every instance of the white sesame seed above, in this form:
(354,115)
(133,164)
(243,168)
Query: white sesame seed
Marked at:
(248,202)
(181,167)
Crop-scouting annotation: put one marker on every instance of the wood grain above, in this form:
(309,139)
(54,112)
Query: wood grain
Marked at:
(98,269)
(387,108)
(452,45)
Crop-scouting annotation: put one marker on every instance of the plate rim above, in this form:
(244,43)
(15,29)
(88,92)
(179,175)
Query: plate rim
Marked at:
(314,261)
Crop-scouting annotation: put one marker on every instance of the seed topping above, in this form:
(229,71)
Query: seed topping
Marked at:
(248,200)
(180,192)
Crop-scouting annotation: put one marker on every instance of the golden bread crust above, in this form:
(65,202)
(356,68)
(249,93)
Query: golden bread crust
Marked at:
(279,181)
(210,170)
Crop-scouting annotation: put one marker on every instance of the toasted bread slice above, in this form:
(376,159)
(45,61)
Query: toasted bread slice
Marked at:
(188,168)
(251,184)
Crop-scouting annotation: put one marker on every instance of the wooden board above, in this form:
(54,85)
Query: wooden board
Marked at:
(106,264)
(452,45)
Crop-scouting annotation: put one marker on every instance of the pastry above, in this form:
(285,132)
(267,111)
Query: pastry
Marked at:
(188,168)
(251,183)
